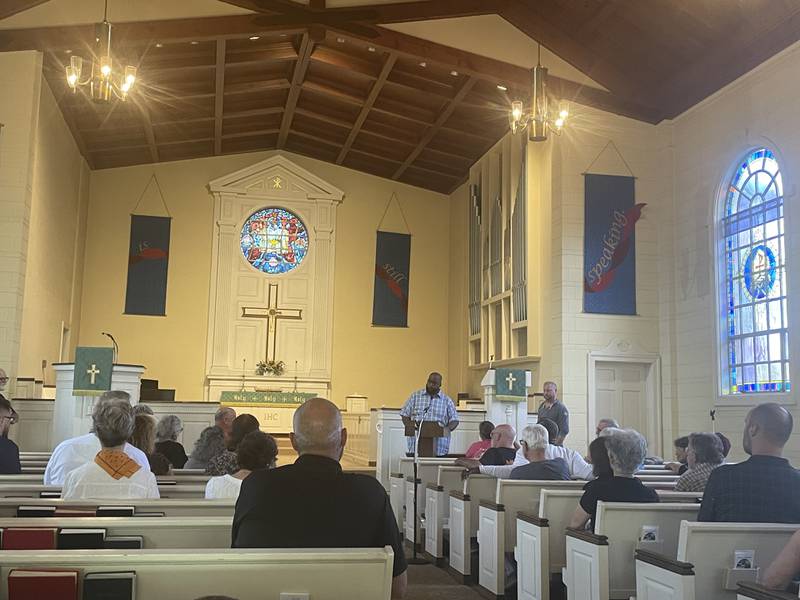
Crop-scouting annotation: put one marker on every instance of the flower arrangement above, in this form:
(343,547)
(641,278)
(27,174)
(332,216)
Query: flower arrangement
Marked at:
(270,367)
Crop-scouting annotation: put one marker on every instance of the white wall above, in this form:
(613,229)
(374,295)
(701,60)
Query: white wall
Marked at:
(758,109)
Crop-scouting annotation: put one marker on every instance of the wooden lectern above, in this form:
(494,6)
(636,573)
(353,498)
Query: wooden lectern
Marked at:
(430,430)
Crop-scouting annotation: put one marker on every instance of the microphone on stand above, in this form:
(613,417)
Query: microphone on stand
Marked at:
(113,341)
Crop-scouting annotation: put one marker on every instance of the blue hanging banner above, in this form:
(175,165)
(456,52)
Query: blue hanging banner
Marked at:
(392,264)
(148,260)
(609,245)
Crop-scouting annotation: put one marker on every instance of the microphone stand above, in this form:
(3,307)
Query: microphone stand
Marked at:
(418,422)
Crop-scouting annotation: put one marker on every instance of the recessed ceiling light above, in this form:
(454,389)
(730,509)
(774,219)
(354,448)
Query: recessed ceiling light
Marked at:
(68,51)
(371,48)
(340,40)
(423,64)
(159,45)
(454,73)
(501,87)
(253,38)
(194,43)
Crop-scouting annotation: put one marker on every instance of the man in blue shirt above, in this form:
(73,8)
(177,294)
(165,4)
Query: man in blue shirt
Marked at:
(763,489)
(431,404)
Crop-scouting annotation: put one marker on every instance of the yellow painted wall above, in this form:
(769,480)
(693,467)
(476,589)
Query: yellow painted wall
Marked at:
(385,364)
(56,238)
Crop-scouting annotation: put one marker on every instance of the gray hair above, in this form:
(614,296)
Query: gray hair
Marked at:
(535,437)
(221,412)
(143,409)
(608,422)
(627,449)
(317,425)
(707,448)
(210,443)
(168,428)
(113,419)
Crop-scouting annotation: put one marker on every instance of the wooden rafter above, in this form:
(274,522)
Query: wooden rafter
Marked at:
(300,68)
(388,64)
(466,86)
(148,130)
(12,7)
(219,96)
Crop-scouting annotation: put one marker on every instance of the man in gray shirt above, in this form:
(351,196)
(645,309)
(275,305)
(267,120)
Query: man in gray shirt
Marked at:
(552,408)
(534,442)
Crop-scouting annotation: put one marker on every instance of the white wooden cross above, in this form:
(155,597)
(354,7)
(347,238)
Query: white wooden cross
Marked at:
(510,379)
(93,372)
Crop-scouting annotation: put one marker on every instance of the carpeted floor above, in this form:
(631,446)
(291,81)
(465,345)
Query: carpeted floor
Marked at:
(427,582)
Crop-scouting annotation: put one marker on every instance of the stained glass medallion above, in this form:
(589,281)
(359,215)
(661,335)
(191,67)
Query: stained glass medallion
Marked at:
(274,240)
(755,279)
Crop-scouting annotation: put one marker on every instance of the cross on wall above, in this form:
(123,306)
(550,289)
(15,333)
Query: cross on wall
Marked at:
(272,313)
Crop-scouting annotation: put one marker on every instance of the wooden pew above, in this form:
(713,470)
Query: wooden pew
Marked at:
(541,541)
(397,490)
(437,508)
(463,520)
(156,532)
(427,472)
(34,491)
(36,479)
(541,544)
(330,574)
(171,507)
(599,565)
(497,525)
(702,567)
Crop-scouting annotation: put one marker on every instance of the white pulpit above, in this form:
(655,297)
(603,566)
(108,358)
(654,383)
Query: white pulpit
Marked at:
(72,415)
(500,412)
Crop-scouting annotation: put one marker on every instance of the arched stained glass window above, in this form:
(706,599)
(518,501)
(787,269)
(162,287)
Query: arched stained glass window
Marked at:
(274,240)
(756,327)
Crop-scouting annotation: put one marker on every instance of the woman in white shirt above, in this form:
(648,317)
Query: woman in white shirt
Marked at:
(112,473)
(257,450)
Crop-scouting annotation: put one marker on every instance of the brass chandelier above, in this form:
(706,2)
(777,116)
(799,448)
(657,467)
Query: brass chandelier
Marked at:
(102,79)
(544,115)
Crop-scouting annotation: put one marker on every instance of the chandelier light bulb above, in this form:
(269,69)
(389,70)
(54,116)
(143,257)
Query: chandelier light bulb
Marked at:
(516,110)
(72,78)
(130,76)
(105,66)
(563,109)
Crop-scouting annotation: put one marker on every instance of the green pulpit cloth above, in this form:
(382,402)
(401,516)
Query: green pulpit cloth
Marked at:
(92,371)
(273,399)
(510,386)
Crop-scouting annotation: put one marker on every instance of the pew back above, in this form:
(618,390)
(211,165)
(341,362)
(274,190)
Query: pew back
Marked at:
(34,490)
(156,532)
(171,507)
(330,574)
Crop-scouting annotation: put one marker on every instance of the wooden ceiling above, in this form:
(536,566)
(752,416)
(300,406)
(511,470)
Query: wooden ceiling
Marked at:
(333,85)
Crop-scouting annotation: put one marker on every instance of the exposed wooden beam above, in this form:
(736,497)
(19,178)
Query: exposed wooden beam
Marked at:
(139,33)
(300,68)
(148,129)
(434,129)
(219,97)
(388,65)
(495,71)
(12,7)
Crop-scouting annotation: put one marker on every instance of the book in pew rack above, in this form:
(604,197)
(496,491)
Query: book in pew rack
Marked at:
(124,542)
(115,511)
(36,511)
(36,584)
(29,538)
(119,585)
(81,539)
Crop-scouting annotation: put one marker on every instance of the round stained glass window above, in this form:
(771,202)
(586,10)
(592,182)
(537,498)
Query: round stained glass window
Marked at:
(274,240)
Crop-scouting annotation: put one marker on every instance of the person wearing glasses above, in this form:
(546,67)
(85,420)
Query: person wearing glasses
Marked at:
(9,451)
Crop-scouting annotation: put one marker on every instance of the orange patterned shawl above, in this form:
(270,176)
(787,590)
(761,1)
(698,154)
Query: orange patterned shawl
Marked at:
(116,463)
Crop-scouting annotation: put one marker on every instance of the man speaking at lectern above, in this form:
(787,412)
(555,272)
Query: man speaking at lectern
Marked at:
(431,405)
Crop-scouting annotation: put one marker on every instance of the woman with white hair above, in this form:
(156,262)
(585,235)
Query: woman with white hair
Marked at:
(112,473)
(167,432)
(533,442)
(626,452)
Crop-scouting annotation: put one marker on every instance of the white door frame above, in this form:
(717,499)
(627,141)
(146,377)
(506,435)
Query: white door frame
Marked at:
(625,352)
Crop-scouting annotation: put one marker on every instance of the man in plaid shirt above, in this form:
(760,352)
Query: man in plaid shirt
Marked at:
(431,404)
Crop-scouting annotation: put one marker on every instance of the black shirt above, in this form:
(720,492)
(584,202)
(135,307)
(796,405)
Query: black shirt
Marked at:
(9,457)
(762,489)
(313,504)
(174,452)
(558,413)
(497,457)
(555,469)
(614,489)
